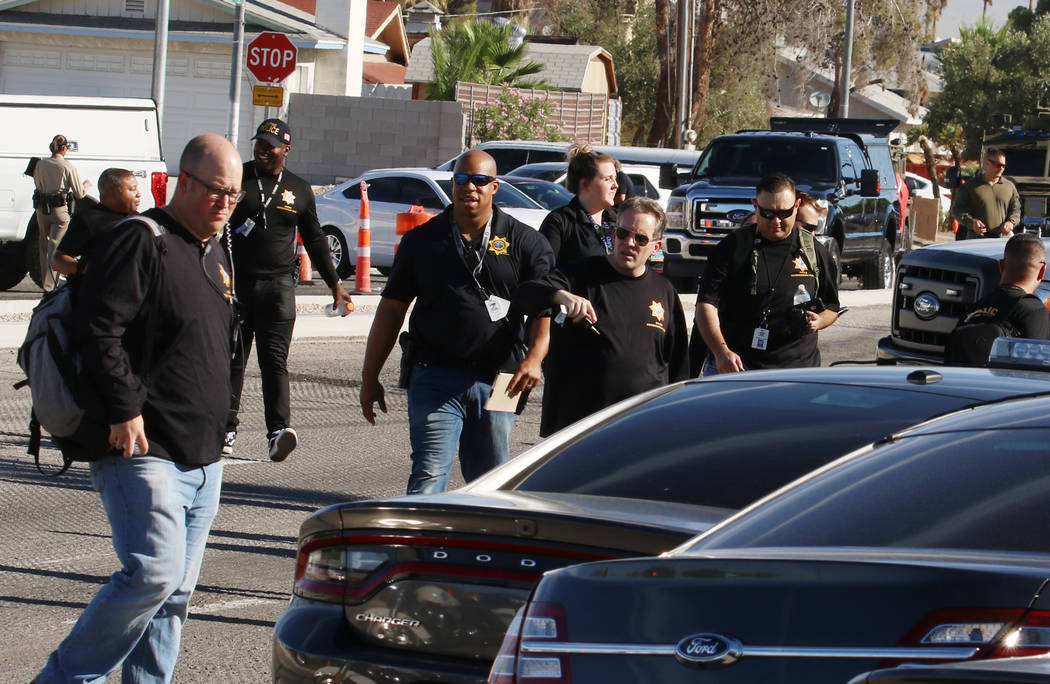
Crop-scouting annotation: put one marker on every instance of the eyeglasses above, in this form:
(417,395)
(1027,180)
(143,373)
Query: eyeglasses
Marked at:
(479,180)
(639,239)
(216,194)
(998,165)
(778,213)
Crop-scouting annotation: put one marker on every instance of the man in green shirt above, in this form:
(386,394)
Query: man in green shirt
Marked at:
(988,206)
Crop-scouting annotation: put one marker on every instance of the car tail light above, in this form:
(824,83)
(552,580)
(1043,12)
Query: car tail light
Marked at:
(542,621)
(1011,632)
(159,187)
(326,568)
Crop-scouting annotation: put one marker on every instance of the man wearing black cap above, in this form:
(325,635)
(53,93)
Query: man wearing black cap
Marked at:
(263,229)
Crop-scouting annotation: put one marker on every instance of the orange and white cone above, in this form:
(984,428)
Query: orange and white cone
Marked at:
(363,275)
(306,271)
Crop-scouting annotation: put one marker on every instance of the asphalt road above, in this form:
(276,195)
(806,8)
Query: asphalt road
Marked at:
(54,540)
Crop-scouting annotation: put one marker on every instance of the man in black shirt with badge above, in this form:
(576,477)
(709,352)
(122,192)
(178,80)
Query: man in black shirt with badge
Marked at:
(276,205)
(461,269)
(767,289)
(627,333)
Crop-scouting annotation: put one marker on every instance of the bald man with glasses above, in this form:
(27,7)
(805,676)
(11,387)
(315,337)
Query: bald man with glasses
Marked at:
(987,206)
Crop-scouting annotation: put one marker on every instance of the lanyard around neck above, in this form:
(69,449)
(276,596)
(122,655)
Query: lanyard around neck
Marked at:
(461,248)
(273,193)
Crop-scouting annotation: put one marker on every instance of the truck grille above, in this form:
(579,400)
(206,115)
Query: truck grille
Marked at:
(955,290)
(710,218)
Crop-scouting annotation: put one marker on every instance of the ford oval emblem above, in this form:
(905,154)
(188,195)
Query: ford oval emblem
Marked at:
(926,306)
(738,215)
(708,650)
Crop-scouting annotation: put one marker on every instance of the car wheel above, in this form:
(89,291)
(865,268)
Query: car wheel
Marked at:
(835,256)
(31,254)
(344,267)
(12,264)
(878,274)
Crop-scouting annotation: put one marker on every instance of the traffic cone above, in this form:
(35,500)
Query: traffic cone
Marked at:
(407,220)
(363,276)
(306,271)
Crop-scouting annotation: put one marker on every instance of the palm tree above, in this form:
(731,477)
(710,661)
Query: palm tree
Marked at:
(478,52)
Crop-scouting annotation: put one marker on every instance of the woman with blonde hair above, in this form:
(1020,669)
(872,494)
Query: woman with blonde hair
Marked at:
(583,227)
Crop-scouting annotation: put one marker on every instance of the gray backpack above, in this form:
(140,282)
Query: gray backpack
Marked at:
(62,400)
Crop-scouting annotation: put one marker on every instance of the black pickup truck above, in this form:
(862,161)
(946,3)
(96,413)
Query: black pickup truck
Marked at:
(844,163)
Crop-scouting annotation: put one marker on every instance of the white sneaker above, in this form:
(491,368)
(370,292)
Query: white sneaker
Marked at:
(282,443)
(227,443)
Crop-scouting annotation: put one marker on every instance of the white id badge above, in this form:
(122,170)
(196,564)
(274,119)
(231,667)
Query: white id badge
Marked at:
(245,227)
(498,307)
(760,340)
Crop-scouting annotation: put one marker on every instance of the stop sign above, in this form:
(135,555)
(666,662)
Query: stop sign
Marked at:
(271,57)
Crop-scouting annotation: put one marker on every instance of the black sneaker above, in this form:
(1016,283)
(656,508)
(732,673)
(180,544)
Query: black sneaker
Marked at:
(282,443)
(227,443)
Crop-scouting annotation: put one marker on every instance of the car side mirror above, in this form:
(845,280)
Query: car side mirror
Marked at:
(669,176)
(869,183)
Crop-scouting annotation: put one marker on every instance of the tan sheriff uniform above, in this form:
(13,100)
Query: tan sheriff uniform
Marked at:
(54,176)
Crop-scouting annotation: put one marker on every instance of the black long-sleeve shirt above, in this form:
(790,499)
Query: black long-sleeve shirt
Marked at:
(572,234)
(185,407)
(268,249)
(643,342)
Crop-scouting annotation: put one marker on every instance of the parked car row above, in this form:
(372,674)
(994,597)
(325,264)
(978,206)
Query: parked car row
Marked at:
(423,588)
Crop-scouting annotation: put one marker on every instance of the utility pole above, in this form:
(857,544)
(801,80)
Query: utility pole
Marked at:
(235,73)
(683,71)
(160,58)
(847,60)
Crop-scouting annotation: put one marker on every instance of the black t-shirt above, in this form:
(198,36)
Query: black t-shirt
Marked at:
(643,341)
(450,324)
(268,249)
(572,234)
(85,226)
(1025,312)
(781,269)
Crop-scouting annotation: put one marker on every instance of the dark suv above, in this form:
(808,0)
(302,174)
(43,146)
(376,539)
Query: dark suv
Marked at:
(844,163)
(936,286)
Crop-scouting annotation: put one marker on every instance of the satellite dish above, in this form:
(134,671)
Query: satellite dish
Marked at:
(820,99)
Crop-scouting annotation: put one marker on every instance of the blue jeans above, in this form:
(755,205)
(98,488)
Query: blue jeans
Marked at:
(160,514)
(446,406)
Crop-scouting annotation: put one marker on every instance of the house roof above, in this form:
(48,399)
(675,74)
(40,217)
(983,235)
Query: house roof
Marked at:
(383,72)
(383,22)
(564,66)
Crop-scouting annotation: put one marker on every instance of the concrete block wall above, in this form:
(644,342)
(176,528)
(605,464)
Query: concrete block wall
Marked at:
(338,137)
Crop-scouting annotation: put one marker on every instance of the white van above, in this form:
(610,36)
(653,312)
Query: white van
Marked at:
(103,132)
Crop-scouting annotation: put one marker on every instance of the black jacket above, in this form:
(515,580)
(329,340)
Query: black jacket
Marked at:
(572,234)
(188,399)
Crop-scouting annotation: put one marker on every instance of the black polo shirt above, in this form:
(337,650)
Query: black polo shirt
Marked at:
(450,325)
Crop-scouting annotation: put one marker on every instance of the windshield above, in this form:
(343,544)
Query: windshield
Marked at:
(507,196)
(727,443)
(986,490)
(1021,162)
(806,162)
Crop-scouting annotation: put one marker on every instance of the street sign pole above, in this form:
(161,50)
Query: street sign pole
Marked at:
(160,59)
(235,73)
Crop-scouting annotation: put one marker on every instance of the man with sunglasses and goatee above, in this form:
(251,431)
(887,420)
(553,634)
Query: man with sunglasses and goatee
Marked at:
(988,206)
(623,329)
(767,289)
(461,269)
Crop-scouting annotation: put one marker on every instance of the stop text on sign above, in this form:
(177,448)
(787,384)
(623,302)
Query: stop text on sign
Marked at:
(271,57)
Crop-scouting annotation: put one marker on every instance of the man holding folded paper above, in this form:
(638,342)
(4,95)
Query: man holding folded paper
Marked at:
(619,328)
(460,268)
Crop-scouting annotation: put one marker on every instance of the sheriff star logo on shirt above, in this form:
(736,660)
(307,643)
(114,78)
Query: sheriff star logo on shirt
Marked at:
(800,265)
(288,197)
(226,282)
(499,245)
(657,310)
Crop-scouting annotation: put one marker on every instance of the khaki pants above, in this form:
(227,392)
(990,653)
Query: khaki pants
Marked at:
(52,227)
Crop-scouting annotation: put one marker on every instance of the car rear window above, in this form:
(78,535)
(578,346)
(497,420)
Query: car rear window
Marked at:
(726,444)
(957,490)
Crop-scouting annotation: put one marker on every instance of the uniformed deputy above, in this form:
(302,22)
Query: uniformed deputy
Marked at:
(461,268)
(277,203)
(987,206)
(57,184)
(583,227)
(636,338)
(767,289)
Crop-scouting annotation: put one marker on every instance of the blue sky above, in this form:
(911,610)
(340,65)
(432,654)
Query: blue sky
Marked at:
(968,11)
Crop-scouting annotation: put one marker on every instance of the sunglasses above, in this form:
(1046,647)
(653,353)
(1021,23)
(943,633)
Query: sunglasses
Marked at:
(216,194)
(478,179)
(777,213)
(639,239)
(998,165)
